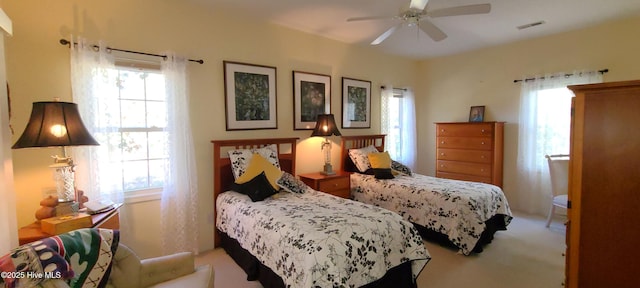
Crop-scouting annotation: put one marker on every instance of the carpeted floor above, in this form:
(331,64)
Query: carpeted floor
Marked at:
(527,255)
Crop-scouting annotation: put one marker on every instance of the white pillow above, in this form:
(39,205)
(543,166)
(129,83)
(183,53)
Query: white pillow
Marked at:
(360,157)
(240,158)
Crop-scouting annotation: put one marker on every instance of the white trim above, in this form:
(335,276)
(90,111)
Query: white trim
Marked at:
(5,23)
(145,195)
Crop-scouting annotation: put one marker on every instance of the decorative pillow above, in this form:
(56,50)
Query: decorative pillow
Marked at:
(292,184)
(397,166)
(258,188)
(257,165)
(381,165)
(240,158)
(360,158)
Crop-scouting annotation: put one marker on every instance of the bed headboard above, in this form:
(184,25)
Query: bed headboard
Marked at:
(354,142)
(222,175)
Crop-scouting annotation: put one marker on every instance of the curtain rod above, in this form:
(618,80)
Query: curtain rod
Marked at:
(66,42)
(394,88)
(566,75)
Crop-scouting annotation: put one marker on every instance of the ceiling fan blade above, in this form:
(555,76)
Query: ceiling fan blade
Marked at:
(432,30)
(386,34)
(461,10)
(418,4)
(370,18)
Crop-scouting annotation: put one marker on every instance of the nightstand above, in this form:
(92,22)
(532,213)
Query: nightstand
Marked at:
(107,220)
(337,185)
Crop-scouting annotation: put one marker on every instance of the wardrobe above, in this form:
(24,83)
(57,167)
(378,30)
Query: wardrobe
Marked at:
(603,227)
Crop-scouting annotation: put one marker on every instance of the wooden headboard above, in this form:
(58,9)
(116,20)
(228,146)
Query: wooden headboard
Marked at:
(354,142)
(222,175)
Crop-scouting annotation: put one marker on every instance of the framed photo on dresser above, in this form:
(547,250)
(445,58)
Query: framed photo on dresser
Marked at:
(476,114)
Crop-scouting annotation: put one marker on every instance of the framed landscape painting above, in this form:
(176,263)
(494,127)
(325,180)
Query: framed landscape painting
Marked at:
(311,96)
(250,96)
(356,103)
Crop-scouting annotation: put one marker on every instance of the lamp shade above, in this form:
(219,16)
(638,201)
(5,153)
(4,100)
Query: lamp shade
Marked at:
(325,126)
(54,124)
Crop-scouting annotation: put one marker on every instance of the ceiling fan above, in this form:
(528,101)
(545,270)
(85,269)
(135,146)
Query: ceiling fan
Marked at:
(417,15)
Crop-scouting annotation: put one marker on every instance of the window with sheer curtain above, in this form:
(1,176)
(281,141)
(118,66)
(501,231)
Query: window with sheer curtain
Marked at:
(141,119)
(544,129)
(398,122)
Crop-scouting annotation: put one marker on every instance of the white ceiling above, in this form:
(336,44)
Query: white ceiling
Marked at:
(328,18)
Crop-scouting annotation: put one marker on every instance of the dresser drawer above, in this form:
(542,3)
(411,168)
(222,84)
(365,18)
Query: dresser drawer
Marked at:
(463,177)
(334,184)
(478,143)
(477,156)
(467,168)
(468,130)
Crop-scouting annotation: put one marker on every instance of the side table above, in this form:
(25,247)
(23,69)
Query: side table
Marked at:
(108,220)
(337,185)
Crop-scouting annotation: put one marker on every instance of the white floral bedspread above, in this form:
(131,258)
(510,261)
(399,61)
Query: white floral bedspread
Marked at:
(318,240)
(455,208)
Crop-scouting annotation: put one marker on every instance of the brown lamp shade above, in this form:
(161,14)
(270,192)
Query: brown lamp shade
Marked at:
(54,124)
(325,126)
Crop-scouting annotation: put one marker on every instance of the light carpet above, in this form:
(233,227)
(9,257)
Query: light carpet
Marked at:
(527,255)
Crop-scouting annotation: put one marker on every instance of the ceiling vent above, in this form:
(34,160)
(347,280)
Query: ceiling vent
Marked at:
(525,26)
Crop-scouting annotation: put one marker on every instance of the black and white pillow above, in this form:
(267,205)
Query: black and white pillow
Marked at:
(240,158)
(258,188)
(397,166)
(360,157)
(292,184)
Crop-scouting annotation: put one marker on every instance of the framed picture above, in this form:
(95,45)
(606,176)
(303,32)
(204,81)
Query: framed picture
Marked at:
(250,96)
(356,103)
(476,114)
(311,96)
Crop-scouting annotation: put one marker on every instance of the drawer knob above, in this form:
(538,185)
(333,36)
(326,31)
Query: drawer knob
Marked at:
(441,165)
(335,185)
(441,130)
(442,142)
(482,130)
(441,154)
(481,170)
(482,157)
(482,142)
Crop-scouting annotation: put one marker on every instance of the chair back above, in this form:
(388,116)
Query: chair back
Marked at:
(559,173)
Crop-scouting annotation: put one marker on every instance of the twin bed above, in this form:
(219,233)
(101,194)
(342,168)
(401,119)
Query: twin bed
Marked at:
(459,213)
(300,237)
(305,238)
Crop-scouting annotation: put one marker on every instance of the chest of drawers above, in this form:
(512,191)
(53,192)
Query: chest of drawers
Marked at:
(470,151)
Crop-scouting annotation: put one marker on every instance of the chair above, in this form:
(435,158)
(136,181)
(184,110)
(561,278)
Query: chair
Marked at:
(559,176)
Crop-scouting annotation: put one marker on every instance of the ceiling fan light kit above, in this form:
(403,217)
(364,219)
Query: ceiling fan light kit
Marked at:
(418,14)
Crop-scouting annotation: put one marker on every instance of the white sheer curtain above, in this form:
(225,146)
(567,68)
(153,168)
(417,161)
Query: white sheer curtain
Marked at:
(398,121)
(544,129)
(179,195)
(93,84)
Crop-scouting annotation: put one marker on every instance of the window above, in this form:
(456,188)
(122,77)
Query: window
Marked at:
(554,120)
(135,118)
(544,129)
(398,123)
(394,134)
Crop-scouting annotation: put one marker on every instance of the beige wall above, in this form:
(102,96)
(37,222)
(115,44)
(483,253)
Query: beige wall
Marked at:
(448,86)
(38,70)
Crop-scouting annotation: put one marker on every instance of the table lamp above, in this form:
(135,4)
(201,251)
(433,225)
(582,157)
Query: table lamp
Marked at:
(54,124)
(326,126)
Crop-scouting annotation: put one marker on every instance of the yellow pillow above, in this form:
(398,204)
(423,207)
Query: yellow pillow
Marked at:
(380,160)
(257,164)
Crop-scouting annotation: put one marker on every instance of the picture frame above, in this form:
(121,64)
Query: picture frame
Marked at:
(311,96)
(356,103)
(476,114)
(250,96)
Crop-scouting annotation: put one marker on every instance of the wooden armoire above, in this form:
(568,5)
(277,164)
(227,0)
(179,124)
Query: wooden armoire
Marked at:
(603,227)
(470,151)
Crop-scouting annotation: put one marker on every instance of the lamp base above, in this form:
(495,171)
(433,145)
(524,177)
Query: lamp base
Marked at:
(328,170)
